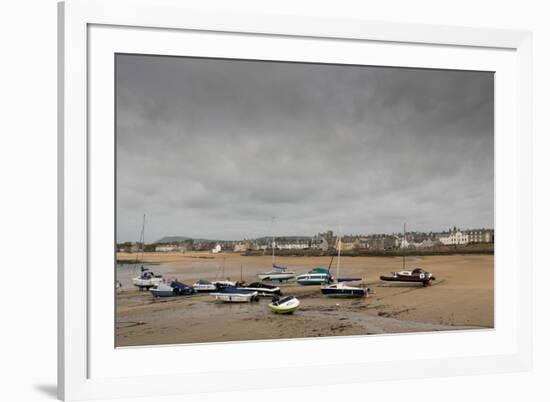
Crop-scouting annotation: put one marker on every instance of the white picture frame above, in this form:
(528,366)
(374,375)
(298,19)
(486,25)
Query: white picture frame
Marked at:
(90,32)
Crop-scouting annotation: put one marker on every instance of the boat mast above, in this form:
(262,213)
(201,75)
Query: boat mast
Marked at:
(403,244)
(272,240)
(141,242)
(339,246)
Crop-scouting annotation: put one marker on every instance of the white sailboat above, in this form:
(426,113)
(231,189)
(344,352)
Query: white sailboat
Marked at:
(341,288)
(278,273)
(146,279)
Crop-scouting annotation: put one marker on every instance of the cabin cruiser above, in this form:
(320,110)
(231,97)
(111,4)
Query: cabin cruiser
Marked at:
(417,275)
(202,285)
(175,288)
(147,279)
(317,276)
(278,273)
(223,284)
(342,289)
(261,288)
(235,295)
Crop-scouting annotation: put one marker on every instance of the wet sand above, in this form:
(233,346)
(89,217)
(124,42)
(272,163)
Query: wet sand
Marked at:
(461,298)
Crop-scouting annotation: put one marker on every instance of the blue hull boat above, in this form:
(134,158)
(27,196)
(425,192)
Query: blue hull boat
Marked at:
(174,289)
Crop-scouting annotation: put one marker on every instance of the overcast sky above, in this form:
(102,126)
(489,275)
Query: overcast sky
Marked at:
(215,148)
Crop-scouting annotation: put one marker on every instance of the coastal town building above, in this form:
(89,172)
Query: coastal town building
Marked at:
(460,237)
(381,242)
(350,243)
(481,236)
(324,242)
(455,237)
(244,246)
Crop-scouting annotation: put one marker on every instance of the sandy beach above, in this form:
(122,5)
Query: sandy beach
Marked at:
(460,298)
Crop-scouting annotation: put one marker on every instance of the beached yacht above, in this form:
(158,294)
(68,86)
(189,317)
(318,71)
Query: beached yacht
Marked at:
(416,275)
(341,288)
(278,273)
(175,288)
(262,288)
(147,279)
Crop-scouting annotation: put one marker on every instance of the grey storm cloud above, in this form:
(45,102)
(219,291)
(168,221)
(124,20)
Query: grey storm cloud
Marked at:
(214,148)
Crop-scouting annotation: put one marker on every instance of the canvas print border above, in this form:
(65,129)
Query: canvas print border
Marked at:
(75,16)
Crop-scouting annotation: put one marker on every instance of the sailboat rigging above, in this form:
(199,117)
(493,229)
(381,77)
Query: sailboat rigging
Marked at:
(278,273)
(340,289)
(147,279)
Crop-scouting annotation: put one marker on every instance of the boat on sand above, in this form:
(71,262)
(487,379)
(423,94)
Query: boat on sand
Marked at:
(277,274)
(202,285)
(147,279)
(317,276)
(175,288)
(285,305)
(235,295)
(341,288)
(416,275)
(262,288)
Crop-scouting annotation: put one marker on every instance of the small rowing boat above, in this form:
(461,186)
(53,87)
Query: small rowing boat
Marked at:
(285,305)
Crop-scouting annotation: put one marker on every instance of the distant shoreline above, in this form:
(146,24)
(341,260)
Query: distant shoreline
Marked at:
(485,249)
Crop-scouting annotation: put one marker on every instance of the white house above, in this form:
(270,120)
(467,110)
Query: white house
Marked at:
(217,249)
(455,237)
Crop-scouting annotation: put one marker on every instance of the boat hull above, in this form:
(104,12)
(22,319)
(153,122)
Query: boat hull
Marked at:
(146,283)
(204,288)
(286,308)
(162,293)
(275,277)
(313,282)
(235,297)
(344,293)
(264,292)
(423,281)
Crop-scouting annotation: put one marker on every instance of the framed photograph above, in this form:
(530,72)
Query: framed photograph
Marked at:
(248,201)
